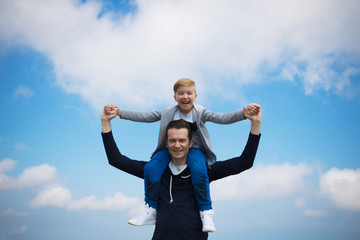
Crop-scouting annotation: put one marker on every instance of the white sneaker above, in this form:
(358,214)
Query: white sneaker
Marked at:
(207,220)
(148,217)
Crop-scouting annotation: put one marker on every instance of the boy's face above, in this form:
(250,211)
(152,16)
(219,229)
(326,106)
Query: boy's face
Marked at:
(185,97)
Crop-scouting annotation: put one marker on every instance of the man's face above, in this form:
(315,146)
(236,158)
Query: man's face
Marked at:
(185,97)
(178,144)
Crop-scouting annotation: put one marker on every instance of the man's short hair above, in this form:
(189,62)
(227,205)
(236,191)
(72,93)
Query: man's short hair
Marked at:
(179,124)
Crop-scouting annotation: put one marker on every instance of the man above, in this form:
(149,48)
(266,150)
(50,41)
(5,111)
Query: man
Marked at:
(177,215)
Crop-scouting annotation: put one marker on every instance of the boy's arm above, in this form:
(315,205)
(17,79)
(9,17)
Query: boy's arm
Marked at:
(140,116)
(136,116)
(222,118)
(230,117)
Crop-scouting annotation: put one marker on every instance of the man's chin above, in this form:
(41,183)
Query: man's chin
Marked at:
(177,156)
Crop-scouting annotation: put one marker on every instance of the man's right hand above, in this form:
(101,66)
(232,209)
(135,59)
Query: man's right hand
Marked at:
(253,112)
(111,109)
(255,116)
(107,116)
(105,120)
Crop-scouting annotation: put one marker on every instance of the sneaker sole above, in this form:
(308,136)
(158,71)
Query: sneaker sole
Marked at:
(137,225)
(209,230)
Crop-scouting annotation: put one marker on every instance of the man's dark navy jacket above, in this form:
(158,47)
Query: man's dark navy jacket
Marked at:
(178,216)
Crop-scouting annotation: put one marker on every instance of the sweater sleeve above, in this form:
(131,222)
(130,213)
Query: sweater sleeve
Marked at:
(223,118)
(141,116)
(116,159)
(236,165)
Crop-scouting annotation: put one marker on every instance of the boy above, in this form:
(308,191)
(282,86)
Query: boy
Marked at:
(200,155)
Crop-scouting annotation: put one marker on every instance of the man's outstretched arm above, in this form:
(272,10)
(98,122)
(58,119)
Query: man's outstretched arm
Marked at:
(115,158)
(253,113)
(106,117)
(236,165)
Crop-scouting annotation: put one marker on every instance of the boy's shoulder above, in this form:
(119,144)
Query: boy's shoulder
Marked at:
(199,107)
(171,107)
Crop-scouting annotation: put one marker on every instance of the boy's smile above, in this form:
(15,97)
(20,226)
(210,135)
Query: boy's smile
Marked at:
(185,97)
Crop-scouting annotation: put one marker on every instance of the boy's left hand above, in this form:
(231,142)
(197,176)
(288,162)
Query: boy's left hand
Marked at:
(252,109)
(110,109)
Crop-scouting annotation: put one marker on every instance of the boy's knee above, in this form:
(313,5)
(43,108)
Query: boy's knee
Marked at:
(196,152)
(197,160)
(162,154)
(149,166)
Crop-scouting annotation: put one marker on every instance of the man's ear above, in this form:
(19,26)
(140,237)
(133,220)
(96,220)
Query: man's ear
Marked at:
(191,143)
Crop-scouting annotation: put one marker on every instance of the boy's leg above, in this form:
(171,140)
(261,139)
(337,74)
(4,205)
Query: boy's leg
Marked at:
(153,171)
(197,163)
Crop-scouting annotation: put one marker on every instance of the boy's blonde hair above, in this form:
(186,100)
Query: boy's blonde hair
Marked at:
(183,82)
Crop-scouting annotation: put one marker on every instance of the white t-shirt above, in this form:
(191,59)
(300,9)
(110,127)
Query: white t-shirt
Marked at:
(189,118)
(176,170)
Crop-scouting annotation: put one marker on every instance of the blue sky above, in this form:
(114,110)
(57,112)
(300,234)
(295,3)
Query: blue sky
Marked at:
(62,60)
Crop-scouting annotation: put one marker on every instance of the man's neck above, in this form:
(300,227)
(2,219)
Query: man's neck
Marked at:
(178,162)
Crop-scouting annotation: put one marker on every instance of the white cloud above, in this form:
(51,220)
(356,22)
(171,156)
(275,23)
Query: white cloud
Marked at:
(32,176)
(117,202)
(55,196)
(342,187)
(7,164)
(106,60)
(58,196)
(36,175)
(263,182)
(23,91)
(11,212)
